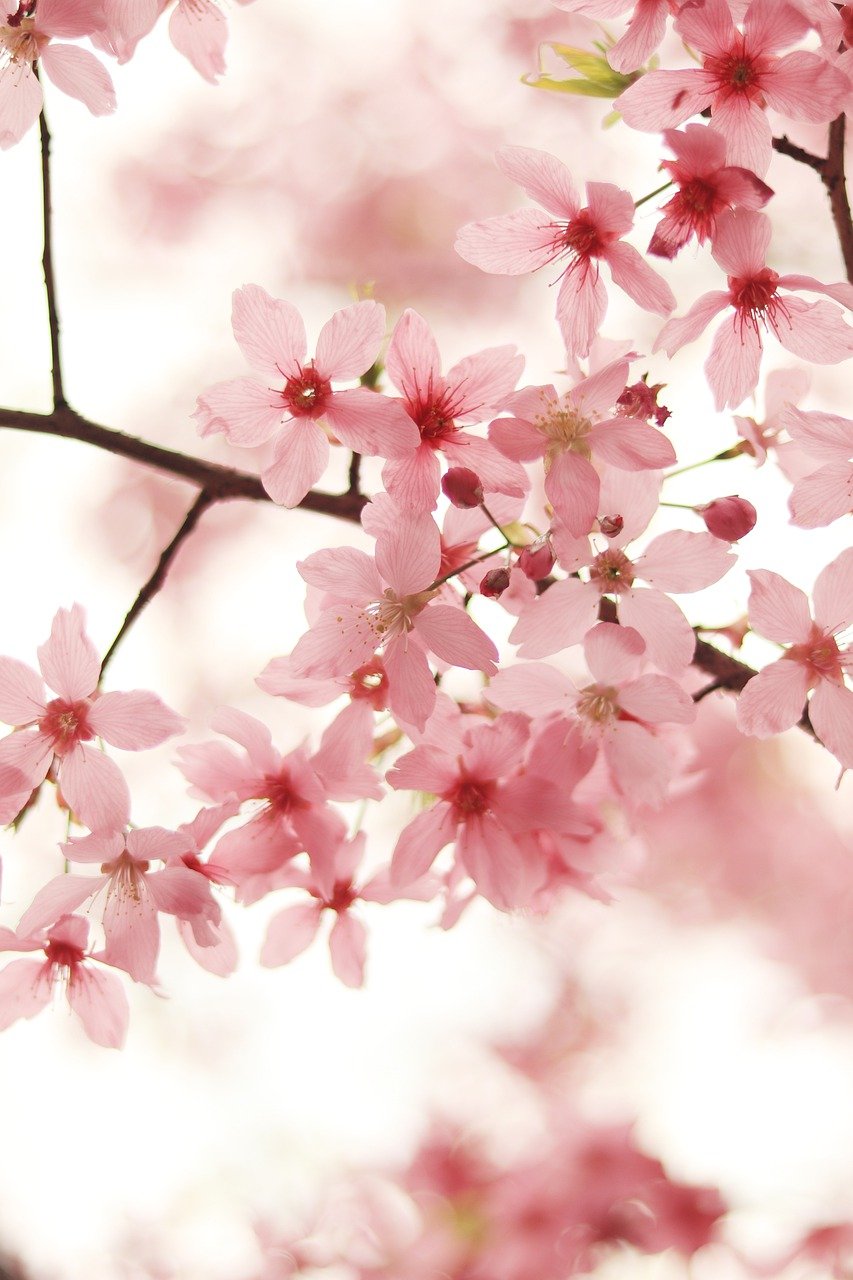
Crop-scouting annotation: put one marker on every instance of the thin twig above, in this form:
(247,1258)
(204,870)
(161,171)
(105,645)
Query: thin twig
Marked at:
(203,500)
(47,266)
(834,180)
(786,147)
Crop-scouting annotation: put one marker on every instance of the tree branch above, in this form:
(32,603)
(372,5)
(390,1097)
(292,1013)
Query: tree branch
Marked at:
(786,147)
(222,483)
(47,266)
(834,179)
(158,577)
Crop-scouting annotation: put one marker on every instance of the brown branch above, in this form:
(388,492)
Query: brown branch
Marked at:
(222,483)
(47,267)
(834,179)
(786,147)
(158,577)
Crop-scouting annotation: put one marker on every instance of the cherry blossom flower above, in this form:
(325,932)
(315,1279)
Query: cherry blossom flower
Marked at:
(814,331)
(773,700)
(741,74)
(27,986)
(619,711)
(28,35)
(440,406)
(487,799)
(646,26)
(706,186)
(360,614)
(206,934)
(570,431)
(515,243)
(271,335)
(673,562)
(55,731)
(824,495)
(291,931)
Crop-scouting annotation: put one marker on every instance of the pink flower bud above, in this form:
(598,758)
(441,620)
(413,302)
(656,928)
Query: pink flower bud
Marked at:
(462,486)
(495,582)
(611,526)
(537,560)
(728,518)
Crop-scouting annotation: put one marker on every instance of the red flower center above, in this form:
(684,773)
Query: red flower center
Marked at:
(470,797)
(582,236)
(755,298)
(820,655)
(342,896)
(738,74)
(307,393)
(65,724)
(612,572)
(370,683)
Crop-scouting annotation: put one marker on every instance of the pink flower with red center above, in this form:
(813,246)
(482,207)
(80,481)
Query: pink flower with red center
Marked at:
(569,431)
(487,800)
(271,335)
(773,700)
(27,37)
(814,331)
(620,710)
(515,243)
(56,731)
(441,406)
(646,26)
(741,74)
(291,931)
(706,187)
(206,934)
(390,603)
(673,562)
(28,986)
(826,494)
(134,894)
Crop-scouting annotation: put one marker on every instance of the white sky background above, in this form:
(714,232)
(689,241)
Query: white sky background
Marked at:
(239,1096)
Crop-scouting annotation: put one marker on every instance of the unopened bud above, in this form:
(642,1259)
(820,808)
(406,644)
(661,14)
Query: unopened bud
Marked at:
(537,560)
(611,526)
(728,518)
(494,583)
(462,486)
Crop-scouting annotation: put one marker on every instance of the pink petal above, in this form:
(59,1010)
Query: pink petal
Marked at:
(741,241)
(657,700)
(825,436)
(57,898)
(199,31)
(413,362)
(733,364)
(301,455)
(178,891)
(409,558)
(805,86)
(640,281)
(29,753)
(831,712)
(669,638)
(531,684)
(645,32)
(100,1003)
(631,445)
(69,661)
(420,843)
(414,481)
(681,561)
(823,496)
(424,769)
(95,789)
(290,932)
(496,749)
(543,177)
(773,700)
(269,332)
(370,423)
(134,720)
(492,859)
(20,102)
(343,572)
(560,617)
(677,332)
(747,131)
(349,343)
(777,609)
(511,244)
(249,733)
(455,638)
(78,73)
(518,440)
(572,487)
(833,594)
(25,989)
(412,689)
(132,930)
(640,765)
(220,956)
(247,412)
(22,693)
(613,653)
(495,473)
(814,331)
(347,947)
(770,25)
(479,384)
(68,18)
(662,99)
(340,762)
(581,304)
(340,642)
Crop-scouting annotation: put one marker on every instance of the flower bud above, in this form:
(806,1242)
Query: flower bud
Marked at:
(537,560)
(728,518)
(611,526)
(494,583)
(462,486)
